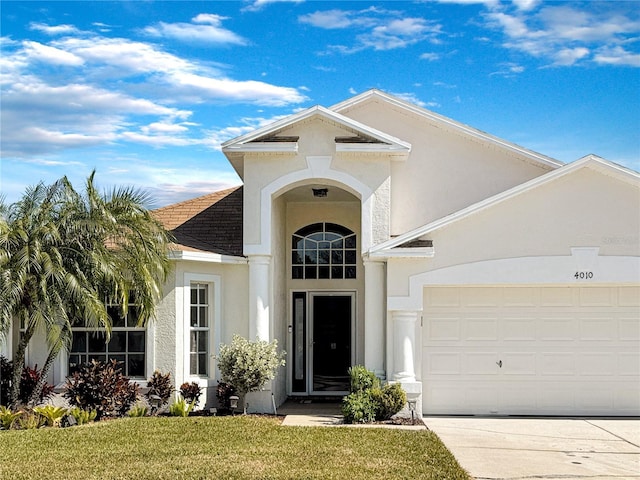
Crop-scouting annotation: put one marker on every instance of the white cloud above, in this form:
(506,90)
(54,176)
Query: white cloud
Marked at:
(566,35)
(52,55)
(205,28)
(328,19)
(526,4)
(54,29)
(430,56)
(250,91)
(617,56)
(508,69)
(412,98)
(374,28)
(257,5)
(569,56)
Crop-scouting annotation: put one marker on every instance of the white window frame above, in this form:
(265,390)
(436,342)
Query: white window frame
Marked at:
(214,312)
(126,328)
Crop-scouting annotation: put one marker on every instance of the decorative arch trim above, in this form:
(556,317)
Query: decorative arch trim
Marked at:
(318,170)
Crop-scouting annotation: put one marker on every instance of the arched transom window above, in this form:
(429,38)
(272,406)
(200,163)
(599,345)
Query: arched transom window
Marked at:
(323,250)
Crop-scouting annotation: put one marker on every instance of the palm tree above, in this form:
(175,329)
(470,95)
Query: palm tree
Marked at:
(63,254)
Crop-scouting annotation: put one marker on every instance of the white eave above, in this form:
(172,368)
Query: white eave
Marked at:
(250,142)
(265,147)
(404,252)
(206,257)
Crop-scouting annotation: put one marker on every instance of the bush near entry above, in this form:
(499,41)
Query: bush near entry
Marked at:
(368,401)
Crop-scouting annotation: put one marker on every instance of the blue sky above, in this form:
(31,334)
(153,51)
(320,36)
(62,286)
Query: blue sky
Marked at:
(145,92)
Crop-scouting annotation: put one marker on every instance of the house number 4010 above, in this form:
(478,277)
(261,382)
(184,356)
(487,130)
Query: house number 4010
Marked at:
(583,275)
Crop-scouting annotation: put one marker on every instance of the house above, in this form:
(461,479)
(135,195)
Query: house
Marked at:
(486,278)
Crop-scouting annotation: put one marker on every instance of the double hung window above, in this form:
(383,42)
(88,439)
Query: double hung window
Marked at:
(199,330)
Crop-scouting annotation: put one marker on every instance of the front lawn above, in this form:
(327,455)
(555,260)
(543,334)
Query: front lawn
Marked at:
(242,447)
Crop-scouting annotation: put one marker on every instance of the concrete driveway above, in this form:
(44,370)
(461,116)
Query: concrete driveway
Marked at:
(528,448)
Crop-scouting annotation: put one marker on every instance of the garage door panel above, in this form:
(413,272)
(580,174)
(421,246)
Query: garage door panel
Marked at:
(557,328)
(479,297)
(480,327)
(596,297)
(564,350)
(597,364)
(629,328)
(597,327)
(629,296)
(628,364)
(443,327)
(518,327)
(443,363)
(556,297)
(518,363)
(557,363)
(481,363)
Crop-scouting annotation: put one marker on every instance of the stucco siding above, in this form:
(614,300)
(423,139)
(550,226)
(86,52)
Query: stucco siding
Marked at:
(445,172)
(582,209)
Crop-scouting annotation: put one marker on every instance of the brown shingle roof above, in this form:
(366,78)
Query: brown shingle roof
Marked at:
(210,223)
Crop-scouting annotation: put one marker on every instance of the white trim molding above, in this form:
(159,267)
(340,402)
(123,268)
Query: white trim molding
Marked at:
(318,169)
(215,318)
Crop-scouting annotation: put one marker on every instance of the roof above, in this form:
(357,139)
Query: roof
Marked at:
(445,123)
(593,162)
(266,139)
(211,223)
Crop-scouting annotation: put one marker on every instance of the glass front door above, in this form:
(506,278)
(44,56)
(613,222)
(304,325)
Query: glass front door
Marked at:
(322,342)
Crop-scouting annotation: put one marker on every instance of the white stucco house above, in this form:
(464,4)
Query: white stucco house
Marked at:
(486,278)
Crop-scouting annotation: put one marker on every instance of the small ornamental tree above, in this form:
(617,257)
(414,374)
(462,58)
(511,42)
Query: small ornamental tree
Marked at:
(249,365)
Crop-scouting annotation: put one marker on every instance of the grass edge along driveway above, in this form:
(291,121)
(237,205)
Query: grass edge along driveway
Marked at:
(242,447)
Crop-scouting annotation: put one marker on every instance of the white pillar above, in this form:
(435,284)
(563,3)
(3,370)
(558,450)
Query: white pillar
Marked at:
(404,345)
(259,297)
(374,312)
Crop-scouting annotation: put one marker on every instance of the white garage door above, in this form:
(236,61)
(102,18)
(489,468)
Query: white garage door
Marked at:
(531,350)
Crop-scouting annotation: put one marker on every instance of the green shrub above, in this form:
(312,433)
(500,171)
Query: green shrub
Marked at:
(388,400)
(6,374)
(224,391)
(138,410)
(101,387)
(249,365)
(28,380)
(181,408)
(368,401)
(82,416)
(361,379)
(30,420)
(358,407)
(8,417)
(161,386)
(53,415)
(191,392)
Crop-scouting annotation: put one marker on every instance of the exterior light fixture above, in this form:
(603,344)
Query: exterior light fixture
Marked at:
(233,402)
(155,401)
(412,407)
(320,192)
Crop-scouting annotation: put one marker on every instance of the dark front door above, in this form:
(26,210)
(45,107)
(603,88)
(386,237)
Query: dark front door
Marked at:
(331,319)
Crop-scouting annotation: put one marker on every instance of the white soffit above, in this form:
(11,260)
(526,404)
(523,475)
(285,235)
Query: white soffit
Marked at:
(590,161)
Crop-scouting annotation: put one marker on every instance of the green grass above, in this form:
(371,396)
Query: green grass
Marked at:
(222,448)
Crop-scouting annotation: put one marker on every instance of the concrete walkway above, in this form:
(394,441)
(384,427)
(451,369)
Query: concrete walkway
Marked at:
(538,448)
(319,414)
